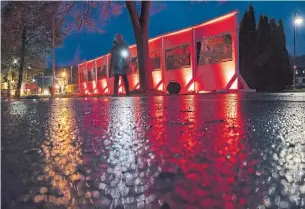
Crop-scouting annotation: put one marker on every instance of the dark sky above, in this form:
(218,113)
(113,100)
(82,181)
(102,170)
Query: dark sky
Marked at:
(170,16)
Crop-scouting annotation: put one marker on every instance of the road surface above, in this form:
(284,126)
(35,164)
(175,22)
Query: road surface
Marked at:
(225,151)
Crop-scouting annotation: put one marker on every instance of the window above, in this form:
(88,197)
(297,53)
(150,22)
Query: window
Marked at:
(303,80)
(155,60)
(178,57)
(214,49)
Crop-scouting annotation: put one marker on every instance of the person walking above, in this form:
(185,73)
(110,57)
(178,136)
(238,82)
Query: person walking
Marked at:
(119,63)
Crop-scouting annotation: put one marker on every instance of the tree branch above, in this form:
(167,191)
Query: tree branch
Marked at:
(85,16)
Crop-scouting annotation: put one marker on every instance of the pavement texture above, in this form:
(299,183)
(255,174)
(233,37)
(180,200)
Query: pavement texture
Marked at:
(225,151)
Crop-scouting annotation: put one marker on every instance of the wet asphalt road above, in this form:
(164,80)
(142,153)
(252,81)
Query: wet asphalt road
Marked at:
(226,151)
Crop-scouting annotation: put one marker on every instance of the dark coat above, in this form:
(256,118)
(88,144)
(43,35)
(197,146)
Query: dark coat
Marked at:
(119,64)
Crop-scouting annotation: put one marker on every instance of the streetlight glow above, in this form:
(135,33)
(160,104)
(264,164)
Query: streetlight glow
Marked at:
(29,68)
(63,74)
(298,20)
(15,61)
(34,80)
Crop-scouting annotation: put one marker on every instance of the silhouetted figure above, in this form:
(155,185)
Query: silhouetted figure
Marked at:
(50,90)
(119,64)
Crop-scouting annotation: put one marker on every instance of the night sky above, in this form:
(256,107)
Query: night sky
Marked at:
(170,16)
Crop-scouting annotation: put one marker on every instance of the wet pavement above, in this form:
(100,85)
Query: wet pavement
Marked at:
(225,151)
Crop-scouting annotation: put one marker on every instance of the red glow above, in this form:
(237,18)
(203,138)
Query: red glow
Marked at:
(209,146)
(192,78)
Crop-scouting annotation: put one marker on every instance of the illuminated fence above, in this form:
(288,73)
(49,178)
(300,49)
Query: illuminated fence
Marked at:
(200,58)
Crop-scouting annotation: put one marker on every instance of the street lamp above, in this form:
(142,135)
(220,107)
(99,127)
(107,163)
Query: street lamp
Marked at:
(297,21)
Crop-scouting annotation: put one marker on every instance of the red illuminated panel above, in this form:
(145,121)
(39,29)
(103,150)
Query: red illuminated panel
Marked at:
(178,51)
(155,75)
(110,79)
(216,54)
(102,72)
(91,82)
(133,75)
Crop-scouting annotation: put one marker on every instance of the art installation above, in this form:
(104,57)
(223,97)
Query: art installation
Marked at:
(200,58)
(215,49)
(178,57)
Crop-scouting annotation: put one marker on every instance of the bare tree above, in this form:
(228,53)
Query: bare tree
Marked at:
(26,34)
(82,12)
(33,27)
(140,29)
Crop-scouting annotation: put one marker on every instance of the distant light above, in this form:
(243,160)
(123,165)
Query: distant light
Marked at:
(63,74)
(46,91)
(57,86)
(298,21)
(15,61)
(29,67)
(34,80)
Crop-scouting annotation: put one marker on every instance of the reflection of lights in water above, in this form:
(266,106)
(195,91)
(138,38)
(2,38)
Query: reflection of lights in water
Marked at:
(62,155)
(188,137)
(289,169)
(122,153)
(18,108)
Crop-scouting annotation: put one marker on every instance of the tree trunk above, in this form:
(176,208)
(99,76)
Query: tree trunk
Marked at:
(140,28)
(143,59)
(21,64)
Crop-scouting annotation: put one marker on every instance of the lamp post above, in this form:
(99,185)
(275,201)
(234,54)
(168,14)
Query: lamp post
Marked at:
(297,21)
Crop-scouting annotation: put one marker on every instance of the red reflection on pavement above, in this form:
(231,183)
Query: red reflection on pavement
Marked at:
(208,143)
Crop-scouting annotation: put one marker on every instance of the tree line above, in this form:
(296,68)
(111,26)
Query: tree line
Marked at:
(264,60)
(27,31)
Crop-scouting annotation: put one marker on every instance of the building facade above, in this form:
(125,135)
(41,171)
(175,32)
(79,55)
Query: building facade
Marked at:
(300,77)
